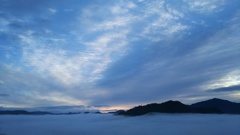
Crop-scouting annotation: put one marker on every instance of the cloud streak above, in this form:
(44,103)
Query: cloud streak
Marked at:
(227,89)
(4,95)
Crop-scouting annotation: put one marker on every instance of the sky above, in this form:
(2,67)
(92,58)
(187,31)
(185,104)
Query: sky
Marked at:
(118,52)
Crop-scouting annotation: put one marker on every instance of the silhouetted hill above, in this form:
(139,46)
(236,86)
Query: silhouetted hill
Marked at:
(167,107)
(211,106)
(224,106)
(22,112)
(15,112)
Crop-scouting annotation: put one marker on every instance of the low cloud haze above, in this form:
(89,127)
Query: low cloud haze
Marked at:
(95,124)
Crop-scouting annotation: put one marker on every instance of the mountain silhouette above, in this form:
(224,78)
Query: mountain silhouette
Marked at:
(22,112)
(212,106)
(15,112)
(166,107)
(224,106)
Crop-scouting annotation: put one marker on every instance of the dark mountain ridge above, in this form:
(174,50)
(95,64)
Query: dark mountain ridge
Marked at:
(212,106)
(22,112)
(224,106)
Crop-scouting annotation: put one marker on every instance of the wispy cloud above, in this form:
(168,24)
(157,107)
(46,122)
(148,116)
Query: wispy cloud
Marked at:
(39,90)
(227,80)
(52,10)
(212,61)
(206,6)
(81,68)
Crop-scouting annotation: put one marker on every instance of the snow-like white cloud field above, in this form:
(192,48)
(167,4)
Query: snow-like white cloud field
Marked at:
(108,124)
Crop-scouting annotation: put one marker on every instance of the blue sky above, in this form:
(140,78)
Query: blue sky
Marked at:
(118,52)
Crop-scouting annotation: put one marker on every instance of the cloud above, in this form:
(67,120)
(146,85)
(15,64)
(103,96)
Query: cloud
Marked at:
(93,124)
(52,11)
(163,21)
(177,67)
(39,90)
(117,52)
(226,89)
(4,95)
(46,54)
(227,80)
(81,68)
(205,6)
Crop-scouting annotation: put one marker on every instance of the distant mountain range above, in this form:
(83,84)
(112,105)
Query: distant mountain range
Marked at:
(24,112)
(211,106)
(53,110)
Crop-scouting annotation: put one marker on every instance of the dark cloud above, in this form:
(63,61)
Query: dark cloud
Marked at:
(24,15)
(4,95)
(226,89)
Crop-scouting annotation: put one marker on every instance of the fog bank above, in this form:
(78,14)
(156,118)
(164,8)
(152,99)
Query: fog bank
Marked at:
(107,124)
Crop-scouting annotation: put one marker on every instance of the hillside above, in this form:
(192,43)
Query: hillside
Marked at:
(212,106)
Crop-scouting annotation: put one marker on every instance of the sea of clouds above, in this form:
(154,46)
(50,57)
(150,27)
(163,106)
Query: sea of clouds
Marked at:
(108,124)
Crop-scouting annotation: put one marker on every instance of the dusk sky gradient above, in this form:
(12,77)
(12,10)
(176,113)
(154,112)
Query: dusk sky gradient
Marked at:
(118,52)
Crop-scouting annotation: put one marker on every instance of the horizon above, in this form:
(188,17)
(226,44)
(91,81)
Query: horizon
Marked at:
(118,53)
(103,108)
